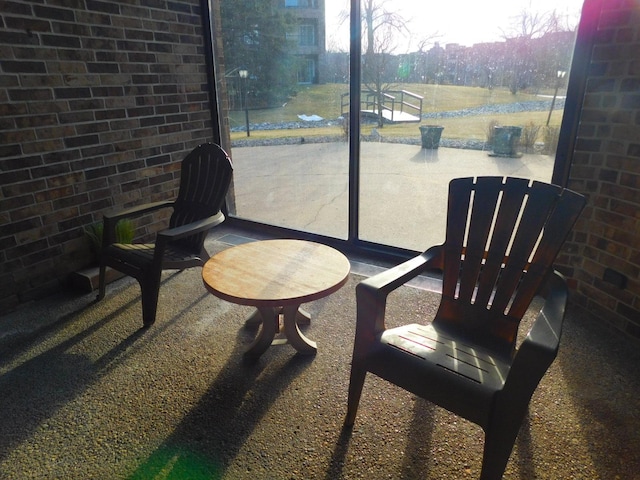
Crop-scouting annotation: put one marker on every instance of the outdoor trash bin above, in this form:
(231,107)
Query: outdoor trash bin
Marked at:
(506,140)
(431,136)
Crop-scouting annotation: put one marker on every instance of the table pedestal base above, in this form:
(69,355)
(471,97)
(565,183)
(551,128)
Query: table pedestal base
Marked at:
(269,320)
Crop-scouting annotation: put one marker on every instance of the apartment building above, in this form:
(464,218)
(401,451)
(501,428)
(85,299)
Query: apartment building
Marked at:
(309,37)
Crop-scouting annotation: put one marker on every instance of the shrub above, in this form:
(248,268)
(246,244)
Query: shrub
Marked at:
(529,136)
(125,231)
(345,127)
(550,138)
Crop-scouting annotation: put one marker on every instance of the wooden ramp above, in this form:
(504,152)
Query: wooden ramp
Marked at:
(392,116)
(396,106)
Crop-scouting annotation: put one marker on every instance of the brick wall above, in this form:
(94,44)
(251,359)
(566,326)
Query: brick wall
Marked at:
(99,101)
(606,167)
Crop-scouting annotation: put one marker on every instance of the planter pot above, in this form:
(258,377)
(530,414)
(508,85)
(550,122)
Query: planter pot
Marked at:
(430,136)
(87,279)
(506,140)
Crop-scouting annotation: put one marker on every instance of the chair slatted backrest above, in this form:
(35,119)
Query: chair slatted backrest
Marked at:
(205,177)
(503,235)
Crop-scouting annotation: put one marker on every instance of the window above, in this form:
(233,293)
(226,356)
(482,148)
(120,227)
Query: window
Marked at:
(307,71)
(307,35)
(366,176)
(301,3)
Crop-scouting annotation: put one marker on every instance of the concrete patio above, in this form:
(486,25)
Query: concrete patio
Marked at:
(87,393)
(403,187)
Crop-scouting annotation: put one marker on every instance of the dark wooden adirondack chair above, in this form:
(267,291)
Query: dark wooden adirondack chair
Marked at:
(204,180)
(502,238)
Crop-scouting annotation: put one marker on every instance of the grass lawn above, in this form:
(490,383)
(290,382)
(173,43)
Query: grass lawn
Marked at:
(473,127)
(324,100)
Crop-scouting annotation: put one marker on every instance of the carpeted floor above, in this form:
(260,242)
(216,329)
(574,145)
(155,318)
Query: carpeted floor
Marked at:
(86,394)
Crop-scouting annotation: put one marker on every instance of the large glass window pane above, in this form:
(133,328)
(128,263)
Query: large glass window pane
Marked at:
(452,89)
(449,89)
(288,144)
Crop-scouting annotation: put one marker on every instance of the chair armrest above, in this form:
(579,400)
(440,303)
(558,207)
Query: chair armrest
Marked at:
(176,233)
(111,219)
(546,330)
(137,210)
(189,229)
(397,276)
(540,347)
(371,294)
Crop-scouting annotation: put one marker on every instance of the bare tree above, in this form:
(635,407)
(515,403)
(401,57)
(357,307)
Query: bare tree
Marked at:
(382,29)
(428,58)
(526,28)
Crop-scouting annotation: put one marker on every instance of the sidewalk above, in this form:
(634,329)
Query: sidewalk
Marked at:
(403,188)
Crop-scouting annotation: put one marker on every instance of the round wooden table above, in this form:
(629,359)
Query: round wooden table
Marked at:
(276,276)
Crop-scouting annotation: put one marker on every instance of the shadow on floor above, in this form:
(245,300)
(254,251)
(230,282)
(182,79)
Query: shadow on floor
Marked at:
(213,432)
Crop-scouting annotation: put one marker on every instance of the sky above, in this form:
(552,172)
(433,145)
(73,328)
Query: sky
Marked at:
(456,21)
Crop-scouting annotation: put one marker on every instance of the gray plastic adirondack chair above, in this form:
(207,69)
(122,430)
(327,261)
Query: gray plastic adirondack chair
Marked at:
(205,177)
(502,238)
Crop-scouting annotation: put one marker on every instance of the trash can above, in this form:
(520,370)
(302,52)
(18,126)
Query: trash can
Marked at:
(430,136)
(506,140)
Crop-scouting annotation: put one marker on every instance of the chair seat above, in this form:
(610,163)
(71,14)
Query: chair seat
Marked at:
(421,359)
(141,254)
(448,353)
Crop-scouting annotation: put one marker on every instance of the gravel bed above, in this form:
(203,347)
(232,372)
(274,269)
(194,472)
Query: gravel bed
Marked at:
(500,108)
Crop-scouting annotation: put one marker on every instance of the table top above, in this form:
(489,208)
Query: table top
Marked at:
(275,273)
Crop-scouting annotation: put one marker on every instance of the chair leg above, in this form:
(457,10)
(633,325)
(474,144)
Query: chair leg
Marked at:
(356,382)
(149,288)
(498,445)
(102,281)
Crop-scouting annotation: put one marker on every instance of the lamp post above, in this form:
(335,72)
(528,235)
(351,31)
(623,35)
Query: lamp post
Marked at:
(561,74)
(244,75)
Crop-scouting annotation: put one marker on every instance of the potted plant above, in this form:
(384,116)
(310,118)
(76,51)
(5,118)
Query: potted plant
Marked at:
(430,135)
(506,140)
(87,278)
(125,231)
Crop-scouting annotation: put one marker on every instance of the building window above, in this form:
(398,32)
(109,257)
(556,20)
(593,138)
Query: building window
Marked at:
(307,35)
(301,3)
(307,71)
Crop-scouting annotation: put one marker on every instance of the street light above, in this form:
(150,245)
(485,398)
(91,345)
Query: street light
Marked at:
(244,75)
(561,74)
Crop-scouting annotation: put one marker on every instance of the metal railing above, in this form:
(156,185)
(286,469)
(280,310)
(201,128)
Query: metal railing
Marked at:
(393,102)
